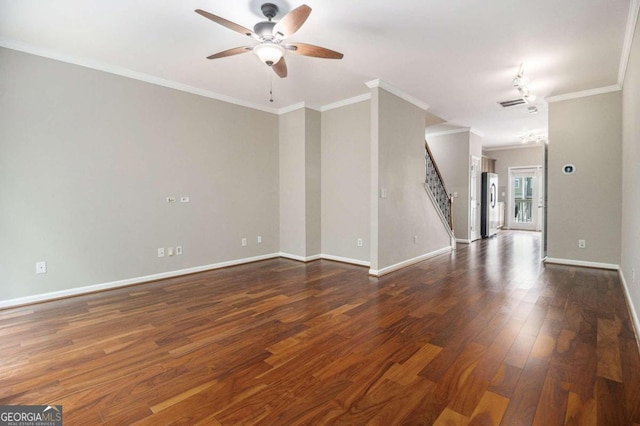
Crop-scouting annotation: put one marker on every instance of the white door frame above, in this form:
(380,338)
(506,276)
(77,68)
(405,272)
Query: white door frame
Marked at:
(475,164)
(536,202)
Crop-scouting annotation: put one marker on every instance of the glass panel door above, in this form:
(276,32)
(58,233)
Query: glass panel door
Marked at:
(523,199)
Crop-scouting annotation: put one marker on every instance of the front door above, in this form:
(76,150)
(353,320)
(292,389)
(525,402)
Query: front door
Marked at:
(524,198)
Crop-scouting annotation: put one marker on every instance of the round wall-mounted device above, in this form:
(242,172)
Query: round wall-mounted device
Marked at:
(568,169)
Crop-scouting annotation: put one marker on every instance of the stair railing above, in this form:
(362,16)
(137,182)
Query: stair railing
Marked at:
(436,184)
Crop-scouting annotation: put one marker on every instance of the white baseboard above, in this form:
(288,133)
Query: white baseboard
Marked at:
(346,260)
(404,264)
(298,257)
(127,282)
(572,262)
(461,241)
(632,310)
(326,257)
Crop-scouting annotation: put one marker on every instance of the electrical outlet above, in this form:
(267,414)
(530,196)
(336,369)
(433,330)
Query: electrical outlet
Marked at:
(415,239)
(178,250)
(161,252)
(185,199)
(171,199)
(359,242)
(41,267)
(244,242)
(170,251)
(259,239)
(582,244)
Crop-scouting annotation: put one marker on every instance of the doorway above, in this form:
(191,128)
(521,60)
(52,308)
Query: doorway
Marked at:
(525,198)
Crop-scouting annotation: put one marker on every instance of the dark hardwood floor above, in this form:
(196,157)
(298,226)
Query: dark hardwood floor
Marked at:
(486,335)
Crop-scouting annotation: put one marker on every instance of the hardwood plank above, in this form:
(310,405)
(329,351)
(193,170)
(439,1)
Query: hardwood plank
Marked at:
(523,404)
(584,369)
(451,418)
(552,404)
(630,356)
(580,411)
(609,363)
(407,372)
(520,350)
(610,400)
(404,403)
(489,410)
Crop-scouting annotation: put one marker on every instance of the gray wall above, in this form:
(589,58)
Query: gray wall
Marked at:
(87,159)
(300,204)
(452,154)
(313,193)
(292,183)
(586,132)
(631,174)
(397,149)
(345,181)
(516,157)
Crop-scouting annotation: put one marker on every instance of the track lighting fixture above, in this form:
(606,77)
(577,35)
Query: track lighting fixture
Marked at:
(533,138)
(520,83)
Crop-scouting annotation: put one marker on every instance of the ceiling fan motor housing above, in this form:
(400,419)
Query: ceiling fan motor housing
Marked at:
(264,29)
(269,10)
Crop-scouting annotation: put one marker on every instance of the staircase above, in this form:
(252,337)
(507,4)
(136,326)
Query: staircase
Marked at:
(434,185)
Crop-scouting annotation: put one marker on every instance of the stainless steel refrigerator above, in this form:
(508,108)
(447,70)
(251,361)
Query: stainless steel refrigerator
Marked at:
(489,202)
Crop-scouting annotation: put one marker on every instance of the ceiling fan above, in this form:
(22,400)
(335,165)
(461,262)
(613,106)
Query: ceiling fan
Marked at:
(271,35)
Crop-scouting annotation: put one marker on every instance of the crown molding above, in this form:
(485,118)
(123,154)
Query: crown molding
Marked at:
(632,19)
(345,102)
(584,93)
(291,108)
(518,146)
(399,93)
(477,133)
(449,132)
(124,72)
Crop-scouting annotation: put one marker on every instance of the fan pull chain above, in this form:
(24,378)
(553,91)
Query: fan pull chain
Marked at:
(271,88)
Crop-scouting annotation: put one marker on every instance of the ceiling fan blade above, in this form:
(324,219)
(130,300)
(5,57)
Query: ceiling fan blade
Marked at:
(225,23)
(231,52)
(280,68)
(292,21)
(315,51)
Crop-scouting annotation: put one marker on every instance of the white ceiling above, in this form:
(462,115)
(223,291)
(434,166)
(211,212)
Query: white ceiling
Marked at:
(457,56)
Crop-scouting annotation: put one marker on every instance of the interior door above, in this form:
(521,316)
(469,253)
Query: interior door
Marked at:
(524,198)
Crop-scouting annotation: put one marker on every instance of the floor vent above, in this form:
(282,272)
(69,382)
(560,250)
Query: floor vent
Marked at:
(513,102)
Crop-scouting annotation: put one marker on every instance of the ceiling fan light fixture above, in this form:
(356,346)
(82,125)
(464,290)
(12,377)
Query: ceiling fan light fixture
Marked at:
(269,53)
